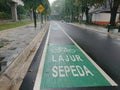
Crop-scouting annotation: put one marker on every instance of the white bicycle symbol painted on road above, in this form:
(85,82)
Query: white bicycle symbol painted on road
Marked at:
(63,50)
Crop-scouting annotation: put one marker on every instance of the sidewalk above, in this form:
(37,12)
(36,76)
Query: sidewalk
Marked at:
(18,48)
(14,41)
(98,29)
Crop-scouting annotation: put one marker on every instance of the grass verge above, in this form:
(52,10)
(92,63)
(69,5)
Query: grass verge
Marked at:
(14,24)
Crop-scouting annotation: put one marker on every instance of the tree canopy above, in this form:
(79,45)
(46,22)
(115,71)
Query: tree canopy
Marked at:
(5,6)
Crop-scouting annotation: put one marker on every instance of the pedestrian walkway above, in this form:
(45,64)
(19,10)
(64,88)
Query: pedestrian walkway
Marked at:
(14,41)
(98,29)
(26,40)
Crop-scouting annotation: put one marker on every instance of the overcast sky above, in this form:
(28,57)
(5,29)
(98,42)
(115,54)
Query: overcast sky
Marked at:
(51,1)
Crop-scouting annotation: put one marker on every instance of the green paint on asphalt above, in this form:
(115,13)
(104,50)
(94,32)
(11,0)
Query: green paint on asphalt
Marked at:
(66,67)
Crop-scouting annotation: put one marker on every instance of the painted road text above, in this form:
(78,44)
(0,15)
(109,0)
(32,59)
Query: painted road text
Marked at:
(76,71)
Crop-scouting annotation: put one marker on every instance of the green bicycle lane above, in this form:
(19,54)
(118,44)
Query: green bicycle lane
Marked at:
(65,65)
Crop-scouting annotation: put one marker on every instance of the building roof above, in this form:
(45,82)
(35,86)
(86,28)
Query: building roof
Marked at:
(104,8)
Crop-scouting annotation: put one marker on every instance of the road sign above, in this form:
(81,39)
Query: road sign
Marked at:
(40,8)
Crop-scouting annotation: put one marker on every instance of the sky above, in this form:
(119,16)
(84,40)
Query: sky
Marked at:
(51,1)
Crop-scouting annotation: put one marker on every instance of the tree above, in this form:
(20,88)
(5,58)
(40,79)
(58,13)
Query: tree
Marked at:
(114,5)
(73,8)
(85,5)
(47,9)
(6,5)
(58,9)
(70,10)
(22,12)
(5,11)
(33,4)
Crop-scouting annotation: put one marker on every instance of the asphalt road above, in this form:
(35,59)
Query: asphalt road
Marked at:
(102,48)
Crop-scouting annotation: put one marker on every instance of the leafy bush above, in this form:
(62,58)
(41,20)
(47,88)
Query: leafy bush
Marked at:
(4,15)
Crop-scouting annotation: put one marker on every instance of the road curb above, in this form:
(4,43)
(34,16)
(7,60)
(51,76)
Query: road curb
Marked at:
(87,28)
(13,76)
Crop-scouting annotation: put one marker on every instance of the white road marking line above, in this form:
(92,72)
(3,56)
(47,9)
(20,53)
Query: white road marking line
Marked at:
(40,70)
(90,59)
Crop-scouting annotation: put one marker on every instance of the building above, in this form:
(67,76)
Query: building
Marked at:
(102,15)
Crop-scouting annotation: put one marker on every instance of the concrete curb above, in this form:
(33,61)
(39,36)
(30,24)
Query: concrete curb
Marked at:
(92,29)
(13,76)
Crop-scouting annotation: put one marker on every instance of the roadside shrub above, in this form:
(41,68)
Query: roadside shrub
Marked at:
(4,15)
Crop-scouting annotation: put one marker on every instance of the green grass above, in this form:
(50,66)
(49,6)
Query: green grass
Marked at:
(14,24)
(1,46)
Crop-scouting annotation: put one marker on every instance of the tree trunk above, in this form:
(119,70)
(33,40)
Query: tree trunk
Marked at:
(45,18)
(87,14)
(71,11)
(41,18)
(114,13)
(77,13)
(34,16)
(82,14)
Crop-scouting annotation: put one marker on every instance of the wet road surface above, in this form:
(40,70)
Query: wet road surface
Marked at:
(66,66)
(103,49)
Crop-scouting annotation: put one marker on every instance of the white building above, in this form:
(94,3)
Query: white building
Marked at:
(102,15)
